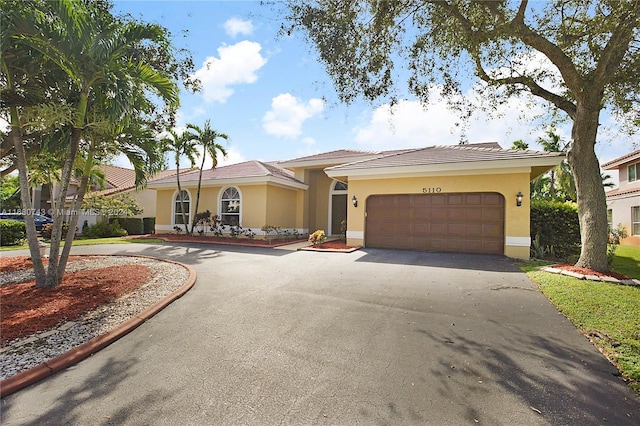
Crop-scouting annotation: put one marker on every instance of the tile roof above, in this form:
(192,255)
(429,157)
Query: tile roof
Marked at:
(617,162)
(120,179)
(247,169)
(618,191)
(446,154)
(332,155)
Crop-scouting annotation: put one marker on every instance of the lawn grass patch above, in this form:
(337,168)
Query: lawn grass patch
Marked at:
(607,313)
(627,261)
(80,241)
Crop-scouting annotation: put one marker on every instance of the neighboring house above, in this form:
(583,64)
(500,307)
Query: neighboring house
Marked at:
(623,203)
(461,198)
(118,180)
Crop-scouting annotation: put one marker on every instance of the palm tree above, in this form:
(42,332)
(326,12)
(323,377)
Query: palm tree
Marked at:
(206,137)
(98,54)
(182,145)
(553,143)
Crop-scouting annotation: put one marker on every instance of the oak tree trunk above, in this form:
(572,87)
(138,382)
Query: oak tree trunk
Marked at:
(592,204)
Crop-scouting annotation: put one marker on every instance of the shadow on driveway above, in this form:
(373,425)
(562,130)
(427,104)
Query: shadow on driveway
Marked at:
(480,262)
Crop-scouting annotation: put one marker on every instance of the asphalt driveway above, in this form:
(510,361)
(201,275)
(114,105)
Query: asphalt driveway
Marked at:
(370,337)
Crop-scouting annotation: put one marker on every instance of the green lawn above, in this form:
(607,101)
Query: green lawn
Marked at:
(627,261)
(608,313)
(94,241)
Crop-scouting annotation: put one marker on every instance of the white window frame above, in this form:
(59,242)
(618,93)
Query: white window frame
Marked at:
(635,220)
(222,201)
(636,169)
(174,210)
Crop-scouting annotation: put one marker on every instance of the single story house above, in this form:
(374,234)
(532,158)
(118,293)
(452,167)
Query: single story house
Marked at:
(470,198)
(623,203)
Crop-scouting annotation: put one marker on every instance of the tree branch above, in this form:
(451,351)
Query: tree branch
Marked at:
(535,89)
(532,39)
(613,53)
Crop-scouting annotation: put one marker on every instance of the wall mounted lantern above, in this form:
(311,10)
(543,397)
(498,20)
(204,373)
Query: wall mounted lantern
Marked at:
(519,199)
(354,200)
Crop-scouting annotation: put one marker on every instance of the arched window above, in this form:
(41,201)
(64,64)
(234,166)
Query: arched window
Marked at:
(177,207)
(340,186)
(230,207)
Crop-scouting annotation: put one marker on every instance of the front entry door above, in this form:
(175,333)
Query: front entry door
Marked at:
(338,212)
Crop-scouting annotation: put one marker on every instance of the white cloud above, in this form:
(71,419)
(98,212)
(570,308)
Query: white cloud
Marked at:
(237,64)
(409,125)
(235,26)
(234,156)
(288,114)
(308,141)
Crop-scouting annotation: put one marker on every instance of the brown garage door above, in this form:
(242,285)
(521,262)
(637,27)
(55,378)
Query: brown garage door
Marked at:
(464,223)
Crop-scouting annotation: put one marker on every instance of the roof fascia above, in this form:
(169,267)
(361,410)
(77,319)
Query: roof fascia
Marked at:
(621,161)
(460,168)
(233,181)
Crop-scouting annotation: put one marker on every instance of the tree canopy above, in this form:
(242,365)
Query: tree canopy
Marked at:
(78,81)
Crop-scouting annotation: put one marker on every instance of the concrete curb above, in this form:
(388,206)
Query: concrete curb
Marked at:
(46,369)
(350,250)
(242,243)
(608,279)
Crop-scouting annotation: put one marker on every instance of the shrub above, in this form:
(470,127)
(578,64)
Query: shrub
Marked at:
(268,229)
(12,232)
(149,225)
(203,222)
(615,235)
(557,226)
(105,230)
(48,228)
(133,225)
(343,230)
(317,237)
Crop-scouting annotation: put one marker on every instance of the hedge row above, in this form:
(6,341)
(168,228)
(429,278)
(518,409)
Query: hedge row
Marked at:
(558,226)
(136,225)
(12,232)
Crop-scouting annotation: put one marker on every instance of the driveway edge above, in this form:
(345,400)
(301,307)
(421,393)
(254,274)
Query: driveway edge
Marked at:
(48,368)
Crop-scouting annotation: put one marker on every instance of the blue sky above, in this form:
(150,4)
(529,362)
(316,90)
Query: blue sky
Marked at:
(275,101)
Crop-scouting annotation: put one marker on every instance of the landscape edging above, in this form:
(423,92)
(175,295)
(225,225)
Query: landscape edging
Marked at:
(77,354)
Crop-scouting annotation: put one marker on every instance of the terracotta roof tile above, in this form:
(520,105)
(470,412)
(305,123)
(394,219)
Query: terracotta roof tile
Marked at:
(332,155)
(120,179)
(445,154)
(616,162)
(618,191)
(246,169)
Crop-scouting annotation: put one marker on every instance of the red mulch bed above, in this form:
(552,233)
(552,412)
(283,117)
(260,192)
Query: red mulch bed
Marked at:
(222,240)
(334,244)
(27,310)
(585,271)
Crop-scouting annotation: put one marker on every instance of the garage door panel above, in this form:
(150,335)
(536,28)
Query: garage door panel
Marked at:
(492,231)
(473,214)
(468,222)
(472,230)
(455,199)
(492,199)
(455,230)
(438,214)
(455,214)
(473,199)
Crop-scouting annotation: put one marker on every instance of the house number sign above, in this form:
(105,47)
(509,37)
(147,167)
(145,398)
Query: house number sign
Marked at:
(432,190)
